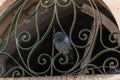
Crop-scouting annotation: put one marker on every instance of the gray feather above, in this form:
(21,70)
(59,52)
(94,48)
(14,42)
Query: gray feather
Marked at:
(63,45)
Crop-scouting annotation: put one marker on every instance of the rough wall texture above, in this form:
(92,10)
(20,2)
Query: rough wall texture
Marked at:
(95,77)
(114,6)
(4,5)
(1,2)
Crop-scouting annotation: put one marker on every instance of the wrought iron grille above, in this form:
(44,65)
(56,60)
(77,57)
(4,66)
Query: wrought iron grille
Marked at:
(28,46)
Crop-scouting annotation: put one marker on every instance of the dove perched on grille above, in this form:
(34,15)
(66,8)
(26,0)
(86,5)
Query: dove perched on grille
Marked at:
(63,45)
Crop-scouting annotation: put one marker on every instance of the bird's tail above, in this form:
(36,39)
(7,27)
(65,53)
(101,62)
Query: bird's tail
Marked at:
(70,58)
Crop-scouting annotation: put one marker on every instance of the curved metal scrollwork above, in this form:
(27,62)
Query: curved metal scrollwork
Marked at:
(93,35)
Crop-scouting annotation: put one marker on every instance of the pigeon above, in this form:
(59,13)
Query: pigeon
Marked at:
(63,45)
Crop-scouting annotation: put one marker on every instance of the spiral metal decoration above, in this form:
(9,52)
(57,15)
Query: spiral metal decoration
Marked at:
(28,50)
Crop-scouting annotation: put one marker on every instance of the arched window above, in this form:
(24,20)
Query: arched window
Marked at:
(60,37)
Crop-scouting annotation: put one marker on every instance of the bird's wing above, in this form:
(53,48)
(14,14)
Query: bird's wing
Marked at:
(67,41)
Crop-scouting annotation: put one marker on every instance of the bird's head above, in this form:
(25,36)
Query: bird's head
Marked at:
(59,36)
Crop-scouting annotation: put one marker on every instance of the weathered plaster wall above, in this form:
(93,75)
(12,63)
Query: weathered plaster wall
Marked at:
(114,6)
